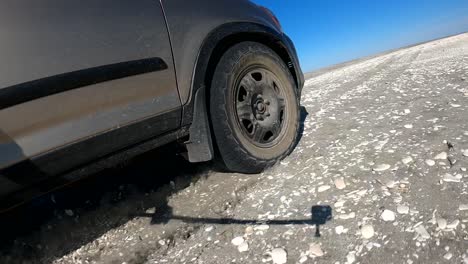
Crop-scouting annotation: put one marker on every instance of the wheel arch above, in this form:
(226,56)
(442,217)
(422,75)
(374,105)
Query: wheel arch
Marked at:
(227,35)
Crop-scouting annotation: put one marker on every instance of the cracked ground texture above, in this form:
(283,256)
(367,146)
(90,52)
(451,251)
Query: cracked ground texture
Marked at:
(385,145)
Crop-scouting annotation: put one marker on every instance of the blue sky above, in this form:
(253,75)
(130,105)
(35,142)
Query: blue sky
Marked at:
(327,32)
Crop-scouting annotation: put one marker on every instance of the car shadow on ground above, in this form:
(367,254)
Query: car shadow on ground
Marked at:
(78,214)
(75,215)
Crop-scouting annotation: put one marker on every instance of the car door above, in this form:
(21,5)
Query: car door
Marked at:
(83,79)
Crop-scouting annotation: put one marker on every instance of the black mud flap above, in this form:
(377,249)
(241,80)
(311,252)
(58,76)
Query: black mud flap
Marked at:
(200,145)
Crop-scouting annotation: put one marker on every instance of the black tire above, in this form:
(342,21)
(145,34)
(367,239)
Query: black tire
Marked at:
(249,142)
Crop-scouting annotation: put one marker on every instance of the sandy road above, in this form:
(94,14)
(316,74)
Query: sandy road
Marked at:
(383,147)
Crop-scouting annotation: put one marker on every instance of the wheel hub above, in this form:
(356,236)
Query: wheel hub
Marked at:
(260,106)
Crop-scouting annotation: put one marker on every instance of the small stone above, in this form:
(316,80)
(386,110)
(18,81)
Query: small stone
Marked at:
(162,242)
(465,152)
(249,230)
(430,162)
(441,223)
(381,167)
(339,204)
(408,126)
(151,210)
(407,160)
(422,232)
(315,250)
(339,230)
(303,259)
(69,212)
(452,178)
(453,225)
(351,257)
(407,111)
(441,156)
(402,209)
(390,184)
(243,247)
(279,256)
(347,216)
(262,227)
(323,188)
(209,229)
(340,184)
(448,256)
(237,241)
(388,216)
(367,231)
(463,207)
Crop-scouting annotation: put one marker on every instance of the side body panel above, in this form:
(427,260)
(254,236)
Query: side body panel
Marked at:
(73,72)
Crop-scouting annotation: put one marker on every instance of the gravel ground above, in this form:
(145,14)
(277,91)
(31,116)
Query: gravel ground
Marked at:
(379,176)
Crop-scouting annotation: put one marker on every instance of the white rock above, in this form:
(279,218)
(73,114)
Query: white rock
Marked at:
(448,256)
(441,156)
(430,162)
(441,223)
(303,259)
(339,204)
(409,126)
(402,209)
(262,227)
(237,241)
(367,231)
(351,257)
(407,160)
(249,230)
(69,212)
(323,188)
(388,216)
(243,247)
(463,207)
(452,178)
(209,229)
(422,232)
(465,152)
(381,167)
(347,216)
(315,250)
(390,184)
(279,256)
(407,111)
(339,230)
(453,225)
(340,183)
(151,210)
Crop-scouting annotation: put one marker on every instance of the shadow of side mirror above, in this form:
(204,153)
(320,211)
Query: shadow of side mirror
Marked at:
(320,215)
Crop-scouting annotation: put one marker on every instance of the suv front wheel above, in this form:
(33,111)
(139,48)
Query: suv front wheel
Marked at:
(254,108)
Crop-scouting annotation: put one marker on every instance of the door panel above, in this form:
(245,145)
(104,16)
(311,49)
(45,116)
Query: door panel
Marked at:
(75,69)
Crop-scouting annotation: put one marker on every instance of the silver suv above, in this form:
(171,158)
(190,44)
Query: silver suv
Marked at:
(85,84)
